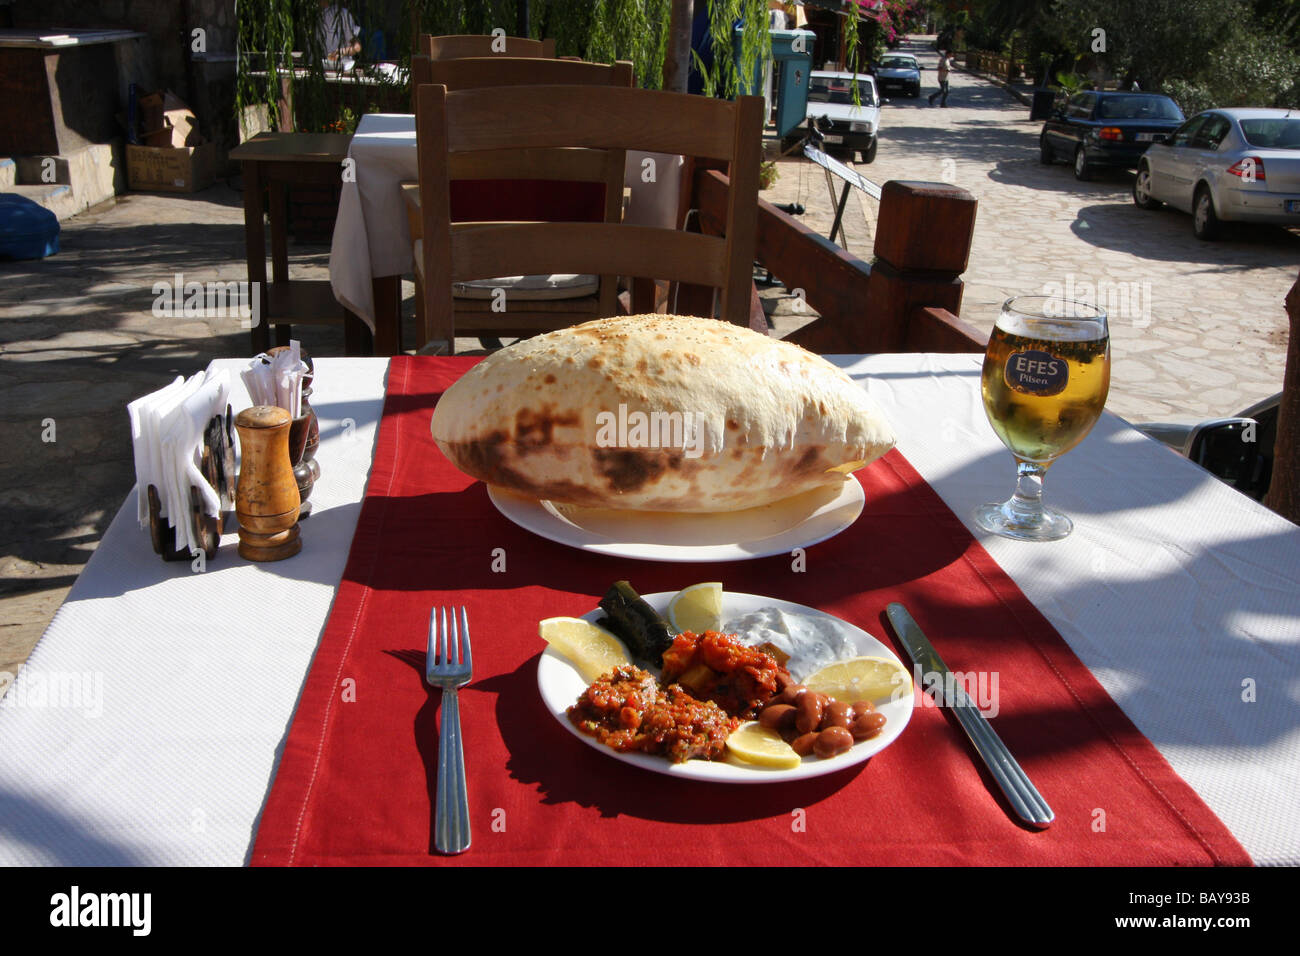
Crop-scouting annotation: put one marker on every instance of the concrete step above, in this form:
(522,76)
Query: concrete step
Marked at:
(8,172)
(89,176)
(56,197)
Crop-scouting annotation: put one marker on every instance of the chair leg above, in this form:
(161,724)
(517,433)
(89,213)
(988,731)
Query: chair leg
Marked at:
(439,317)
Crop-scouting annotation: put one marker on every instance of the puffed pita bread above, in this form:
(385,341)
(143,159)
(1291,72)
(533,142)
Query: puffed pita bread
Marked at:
(585,416)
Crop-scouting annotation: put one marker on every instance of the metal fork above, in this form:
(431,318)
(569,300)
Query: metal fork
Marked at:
(448,664)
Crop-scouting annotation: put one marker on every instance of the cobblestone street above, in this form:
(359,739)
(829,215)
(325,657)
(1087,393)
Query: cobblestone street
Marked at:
(1198,328)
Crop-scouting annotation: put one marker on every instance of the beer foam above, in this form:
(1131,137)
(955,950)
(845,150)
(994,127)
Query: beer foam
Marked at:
(1061,328)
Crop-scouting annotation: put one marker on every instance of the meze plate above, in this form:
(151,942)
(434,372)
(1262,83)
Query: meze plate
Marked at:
(778,528)
(561,685)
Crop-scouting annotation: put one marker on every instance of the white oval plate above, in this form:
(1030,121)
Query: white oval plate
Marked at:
(561,685)
(778,528)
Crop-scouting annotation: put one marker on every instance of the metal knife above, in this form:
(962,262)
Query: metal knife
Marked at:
(1024,796)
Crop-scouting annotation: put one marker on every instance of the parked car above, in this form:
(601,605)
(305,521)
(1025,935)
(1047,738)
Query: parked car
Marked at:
(1102,128)
(1231,165)
(831,108)
(900,72)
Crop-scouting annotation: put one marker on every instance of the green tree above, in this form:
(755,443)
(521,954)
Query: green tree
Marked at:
(1281,18)
(1256,69)
(1150,41)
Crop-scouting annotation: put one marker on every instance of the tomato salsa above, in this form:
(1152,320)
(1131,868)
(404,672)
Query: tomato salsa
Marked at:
(627,710)
(719,668)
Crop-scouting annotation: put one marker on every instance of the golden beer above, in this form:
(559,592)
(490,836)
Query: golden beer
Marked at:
(1045,388)
(1046,375)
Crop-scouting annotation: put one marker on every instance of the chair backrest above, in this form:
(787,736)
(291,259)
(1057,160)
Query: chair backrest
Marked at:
(473,73)
(505,187)
(600,118)
(580,185)
(468,44)
(433,49)
(476,72)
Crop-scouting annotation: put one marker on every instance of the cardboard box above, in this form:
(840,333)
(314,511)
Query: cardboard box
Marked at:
(168,169)
(159,137)
(167,121)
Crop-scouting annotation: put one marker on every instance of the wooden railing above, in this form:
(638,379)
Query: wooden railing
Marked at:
(998,64)
(908,300)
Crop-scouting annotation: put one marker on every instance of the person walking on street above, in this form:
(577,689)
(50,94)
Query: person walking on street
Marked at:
(945,64)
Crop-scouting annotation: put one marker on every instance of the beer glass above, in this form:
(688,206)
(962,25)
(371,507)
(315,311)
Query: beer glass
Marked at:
(1046,375)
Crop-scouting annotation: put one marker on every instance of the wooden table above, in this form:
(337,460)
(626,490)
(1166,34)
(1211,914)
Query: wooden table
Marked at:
(277,160)
(1172,590)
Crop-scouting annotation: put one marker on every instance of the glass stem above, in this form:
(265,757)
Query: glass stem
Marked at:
(1026,505)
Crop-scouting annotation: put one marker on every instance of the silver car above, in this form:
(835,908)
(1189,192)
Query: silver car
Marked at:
(1229,165)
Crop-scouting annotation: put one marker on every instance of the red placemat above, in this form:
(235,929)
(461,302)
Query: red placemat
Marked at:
(356,781)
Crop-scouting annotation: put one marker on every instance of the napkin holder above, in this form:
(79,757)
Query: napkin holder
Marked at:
(217,463)
(207,528)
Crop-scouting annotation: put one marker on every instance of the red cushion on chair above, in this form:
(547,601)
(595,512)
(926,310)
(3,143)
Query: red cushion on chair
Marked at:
(506,200)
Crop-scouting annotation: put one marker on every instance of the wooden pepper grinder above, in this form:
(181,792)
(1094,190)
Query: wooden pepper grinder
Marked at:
(306,470)
(266,499)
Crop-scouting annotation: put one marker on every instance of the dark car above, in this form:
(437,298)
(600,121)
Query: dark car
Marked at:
(898,72)
(1099,128)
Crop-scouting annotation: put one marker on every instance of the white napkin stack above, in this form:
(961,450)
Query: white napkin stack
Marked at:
(277,381)
(167,433)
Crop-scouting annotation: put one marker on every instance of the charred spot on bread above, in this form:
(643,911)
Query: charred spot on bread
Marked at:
(536,429)
(628,469)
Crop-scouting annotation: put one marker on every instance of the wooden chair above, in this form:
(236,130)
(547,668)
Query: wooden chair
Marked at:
(462,45)
(430,49)
(550,185)
(451,124)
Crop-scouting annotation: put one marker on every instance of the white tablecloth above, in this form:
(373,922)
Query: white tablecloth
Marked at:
(1182,596)
(371,237)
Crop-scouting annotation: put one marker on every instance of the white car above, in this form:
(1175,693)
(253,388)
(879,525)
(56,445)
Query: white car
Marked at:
(1229,165)
(831,108)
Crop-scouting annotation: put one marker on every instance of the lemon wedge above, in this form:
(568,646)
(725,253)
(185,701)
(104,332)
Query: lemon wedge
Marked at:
(862,678)
(590,648)
(753,743)
(697,608)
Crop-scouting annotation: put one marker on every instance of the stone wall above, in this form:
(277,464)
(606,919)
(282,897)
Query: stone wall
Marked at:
(204,80)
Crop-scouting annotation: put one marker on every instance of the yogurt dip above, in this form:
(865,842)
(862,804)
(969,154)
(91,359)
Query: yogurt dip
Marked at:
(812,642)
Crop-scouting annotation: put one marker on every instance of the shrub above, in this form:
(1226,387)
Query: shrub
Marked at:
(1252,69)
(1192,98)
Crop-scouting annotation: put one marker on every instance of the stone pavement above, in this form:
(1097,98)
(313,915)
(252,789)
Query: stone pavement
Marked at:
(1202,334)
(1198,329)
